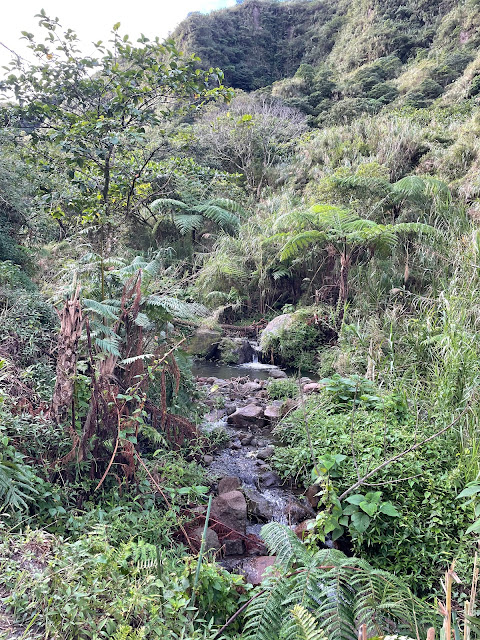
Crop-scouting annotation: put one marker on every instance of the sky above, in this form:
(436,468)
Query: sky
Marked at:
(93,19)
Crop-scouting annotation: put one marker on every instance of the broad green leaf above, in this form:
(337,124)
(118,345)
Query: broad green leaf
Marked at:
(389,510)
(357,498)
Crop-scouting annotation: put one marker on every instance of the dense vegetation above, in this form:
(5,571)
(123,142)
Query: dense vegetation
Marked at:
(142,198)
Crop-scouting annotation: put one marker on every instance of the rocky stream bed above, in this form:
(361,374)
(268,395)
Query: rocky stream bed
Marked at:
(248,493)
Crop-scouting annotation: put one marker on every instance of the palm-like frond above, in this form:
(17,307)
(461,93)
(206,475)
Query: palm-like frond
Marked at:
(102,309)
(177,308)
(339,593)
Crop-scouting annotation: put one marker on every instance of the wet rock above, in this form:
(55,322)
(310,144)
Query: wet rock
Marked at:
(311,495)
(297,512)
(254,442)
(304,529)
(312,387)
(257,506)
(212,542)
(234,547)
(266,452)
(230,407)
(215,415)
(229,483)
(235,350)
(207,459)
(236,444)
(254,568)
(204,342)
(277,374)
(231,510)
(251,415)
(273,412)
(246,439)
(270,479)
(251,387)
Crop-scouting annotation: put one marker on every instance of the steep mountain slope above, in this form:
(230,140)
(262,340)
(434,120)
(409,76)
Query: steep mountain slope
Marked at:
(335,59)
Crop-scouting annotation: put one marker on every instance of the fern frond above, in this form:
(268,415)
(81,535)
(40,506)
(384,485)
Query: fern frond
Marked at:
(103,309)
(285,544)
(109,345)
(304,626)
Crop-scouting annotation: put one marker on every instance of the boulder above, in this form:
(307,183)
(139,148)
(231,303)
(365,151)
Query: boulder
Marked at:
(297,512)
(251,387)
(229,483)
(234,547)
(207,459)
(312,387)
(235,350)
(231,510)
(244,417)
(273,412)
(266,452)
(277,374)
(254,568)
(274,327)
(270,479)
(212,542)
(311,495)
(204,342)
(257,506)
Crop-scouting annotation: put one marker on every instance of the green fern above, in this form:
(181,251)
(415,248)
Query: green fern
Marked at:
(339,593)
(305,626)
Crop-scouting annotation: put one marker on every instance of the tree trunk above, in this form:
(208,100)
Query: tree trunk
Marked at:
(71,324)
(345,260)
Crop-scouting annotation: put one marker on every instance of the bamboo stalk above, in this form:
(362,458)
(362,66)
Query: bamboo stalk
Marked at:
(202,551)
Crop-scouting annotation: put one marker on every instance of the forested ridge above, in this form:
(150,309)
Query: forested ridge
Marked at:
(239,284)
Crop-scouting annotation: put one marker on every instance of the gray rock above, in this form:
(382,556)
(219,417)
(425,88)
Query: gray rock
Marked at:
(274,328)
(312,387)
(231,510)
(251,415)
(234,547)
(277,374)
(297,512)
(273,412)
(270,479)
(207,459)
(229,483)
(246,440)
(204,342)
(254,568)
(235,350)
(266,452)
(212,542)
(258,507)
(230,407)
(236,444)
(251,387)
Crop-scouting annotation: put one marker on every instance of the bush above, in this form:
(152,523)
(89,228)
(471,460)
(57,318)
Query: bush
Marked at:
(428,522)
(282,389)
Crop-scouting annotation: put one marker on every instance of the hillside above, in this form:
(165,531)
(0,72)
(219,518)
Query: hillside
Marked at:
(239,303)
(339,59)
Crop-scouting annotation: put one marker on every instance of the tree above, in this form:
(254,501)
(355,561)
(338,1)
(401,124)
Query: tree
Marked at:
(251,136)
(90,118)
(343,232)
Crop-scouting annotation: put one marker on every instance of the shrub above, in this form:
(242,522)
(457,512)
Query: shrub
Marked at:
(281,389)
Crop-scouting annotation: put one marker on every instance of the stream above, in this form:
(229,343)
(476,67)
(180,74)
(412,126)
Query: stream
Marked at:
(239,404)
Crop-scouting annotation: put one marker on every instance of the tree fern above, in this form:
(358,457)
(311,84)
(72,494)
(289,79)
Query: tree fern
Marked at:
(339,593)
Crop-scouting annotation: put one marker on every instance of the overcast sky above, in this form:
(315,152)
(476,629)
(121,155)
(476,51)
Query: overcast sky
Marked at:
(93,19)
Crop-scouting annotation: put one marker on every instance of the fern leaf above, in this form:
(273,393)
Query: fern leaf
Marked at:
(305,626)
